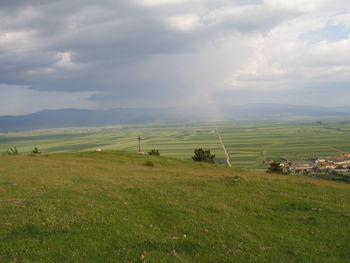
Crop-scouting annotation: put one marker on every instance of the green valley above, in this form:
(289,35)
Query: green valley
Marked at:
(249,144)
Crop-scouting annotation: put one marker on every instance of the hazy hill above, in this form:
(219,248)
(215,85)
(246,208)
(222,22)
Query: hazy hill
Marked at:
(82,117)
(112,207)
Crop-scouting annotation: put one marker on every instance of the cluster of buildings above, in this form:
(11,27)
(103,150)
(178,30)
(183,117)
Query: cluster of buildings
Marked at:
(339,164)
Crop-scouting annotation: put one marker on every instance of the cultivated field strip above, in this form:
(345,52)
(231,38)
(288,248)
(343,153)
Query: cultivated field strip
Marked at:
(249,145)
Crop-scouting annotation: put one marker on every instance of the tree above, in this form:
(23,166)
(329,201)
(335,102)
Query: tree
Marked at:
(154,152)
(275,167)
(36,150)
(12,151)
(202,155)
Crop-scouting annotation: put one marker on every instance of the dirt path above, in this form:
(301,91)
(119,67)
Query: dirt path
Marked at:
(225,151)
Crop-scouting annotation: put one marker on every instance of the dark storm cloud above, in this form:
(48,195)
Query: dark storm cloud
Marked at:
(107,36)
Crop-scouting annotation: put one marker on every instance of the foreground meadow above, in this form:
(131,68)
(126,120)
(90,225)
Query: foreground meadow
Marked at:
(115,206)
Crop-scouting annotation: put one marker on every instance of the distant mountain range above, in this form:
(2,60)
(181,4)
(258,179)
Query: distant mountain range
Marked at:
(251,112)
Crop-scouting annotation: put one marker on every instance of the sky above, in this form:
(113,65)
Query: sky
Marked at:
(161,53)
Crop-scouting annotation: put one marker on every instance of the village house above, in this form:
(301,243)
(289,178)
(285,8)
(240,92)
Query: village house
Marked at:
(317,160)
(329,165)
(341,164)
(341,170)
(343,155)
(341,161)
(301,167)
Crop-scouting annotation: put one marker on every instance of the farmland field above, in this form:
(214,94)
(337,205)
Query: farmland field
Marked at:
(249,145)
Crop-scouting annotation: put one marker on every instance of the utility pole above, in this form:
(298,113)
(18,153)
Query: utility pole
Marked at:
(139,138)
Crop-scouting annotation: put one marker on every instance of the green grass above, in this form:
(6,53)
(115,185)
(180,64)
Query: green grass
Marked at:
(249,145)
(110,207)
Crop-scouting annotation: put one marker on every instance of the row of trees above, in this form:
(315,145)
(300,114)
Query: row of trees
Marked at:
(14,151)
(200,155)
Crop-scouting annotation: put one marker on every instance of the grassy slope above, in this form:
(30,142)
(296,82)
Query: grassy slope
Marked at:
(110,207)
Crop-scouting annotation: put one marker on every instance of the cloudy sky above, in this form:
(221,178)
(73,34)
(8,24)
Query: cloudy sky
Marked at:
(130,53)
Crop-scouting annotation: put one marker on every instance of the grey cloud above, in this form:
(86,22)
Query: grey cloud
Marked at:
(110,38)
(127,53)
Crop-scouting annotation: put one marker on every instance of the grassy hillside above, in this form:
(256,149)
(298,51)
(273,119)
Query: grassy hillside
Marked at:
(249,145)
(111,207)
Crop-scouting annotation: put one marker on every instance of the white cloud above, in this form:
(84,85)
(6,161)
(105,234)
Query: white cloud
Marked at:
(158,2)
(234,13)
(186,22)
(283,60)
(65,60)
(302,6)
(63,65)
(17,41)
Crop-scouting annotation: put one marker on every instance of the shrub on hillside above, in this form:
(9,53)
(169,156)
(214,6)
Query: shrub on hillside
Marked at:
(12,151)
(149,164)
(275,167)
(154,152)
(35,151)
(202,155)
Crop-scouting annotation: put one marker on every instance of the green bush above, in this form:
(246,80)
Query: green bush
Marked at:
(36,151)
(202,155)
(275,167)
(12,151)
(149,164)
(154,152)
